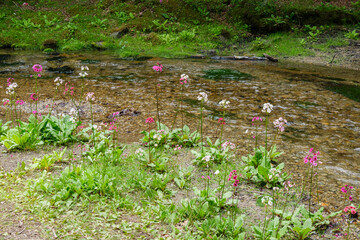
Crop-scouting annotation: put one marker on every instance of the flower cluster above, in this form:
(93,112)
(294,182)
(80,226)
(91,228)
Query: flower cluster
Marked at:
(149,120)
(90,97)
(207,158)
(346,189)
(288,185)
(256,119)
(73,113)
(228,144)
(34,97)
(20,102)
(10,90)
(177,148)
(112,126)
(58,81)
(83,72)
(183,79)
(139,152)
(267,108)
(223,103)
(37,68)
(234,176)
(158,68)
(279,123)
(5,101)
(314,159)
(274,173)
(266,200)
(203,177)
(222,121)
(157,137)
(203,97)
(351,209)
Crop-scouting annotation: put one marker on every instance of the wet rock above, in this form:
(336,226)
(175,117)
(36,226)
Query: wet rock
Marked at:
(50,43)
(63,70)
(125,112)
(197,56)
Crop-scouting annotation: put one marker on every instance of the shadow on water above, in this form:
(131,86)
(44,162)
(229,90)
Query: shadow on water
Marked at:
(226,74)
(350,91)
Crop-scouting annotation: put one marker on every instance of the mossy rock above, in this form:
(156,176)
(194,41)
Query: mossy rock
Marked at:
(50,43)
(48,50)
(100,45)
(121,31)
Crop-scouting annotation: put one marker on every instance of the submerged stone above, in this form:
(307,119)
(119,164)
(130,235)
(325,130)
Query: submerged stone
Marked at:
(305,105)
(63,70)
(4,57)
(226,74)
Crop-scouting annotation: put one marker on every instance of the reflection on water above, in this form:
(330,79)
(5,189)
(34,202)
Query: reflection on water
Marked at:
(321,104)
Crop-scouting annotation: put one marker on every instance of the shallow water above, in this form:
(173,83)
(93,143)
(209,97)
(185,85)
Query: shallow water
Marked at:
(320,103)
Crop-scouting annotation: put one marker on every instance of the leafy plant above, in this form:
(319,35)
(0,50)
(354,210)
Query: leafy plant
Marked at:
(44,163)
(15,139)
(59,130)
(303,230)
(184,177)
(4,127)
(101,23)
(50,23)
(352,35)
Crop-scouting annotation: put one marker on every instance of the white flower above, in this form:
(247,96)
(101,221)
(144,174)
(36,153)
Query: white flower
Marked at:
(267,108)
(203,97)
(157,137)
(139,151)
(10,90)
(224,103)
(83,68)
(184,77)
(90,97)
(83,74)
(206,158)
(58,81)
(72,119)
(72,112)
(155,145)
(216,172)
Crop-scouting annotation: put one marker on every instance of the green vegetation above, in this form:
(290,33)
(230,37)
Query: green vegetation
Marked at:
(178,28)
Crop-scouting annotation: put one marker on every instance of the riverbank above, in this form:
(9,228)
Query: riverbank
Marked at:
(178,29)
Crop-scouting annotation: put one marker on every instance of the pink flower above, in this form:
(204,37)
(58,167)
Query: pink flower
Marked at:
(158,68)
(34,97)
(353,211)
(149,120)
(20,102)
(25,4)
(343,190)
(202,177)
(221,121)
(37,68)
